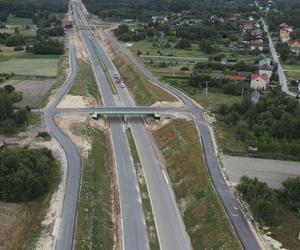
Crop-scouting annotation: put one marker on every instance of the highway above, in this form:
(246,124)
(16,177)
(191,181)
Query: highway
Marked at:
(239,222)
(169,223)
(281,75)
(134,231)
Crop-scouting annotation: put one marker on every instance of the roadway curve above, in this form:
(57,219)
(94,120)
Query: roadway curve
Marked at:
(237,218)
(73,176)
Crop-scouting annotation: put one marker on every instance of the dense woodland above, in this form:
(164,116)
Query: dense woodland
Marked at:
(268,205)
(144,9)
(26,174)
(273,124)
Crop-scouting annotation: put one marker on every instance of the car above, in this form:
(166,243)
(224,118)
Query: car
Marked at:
(122,85)
(116,76)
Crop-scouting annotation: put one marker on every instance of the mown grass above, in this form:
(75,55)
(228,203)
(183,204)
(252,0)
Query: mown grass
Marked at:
(85,84)
(151,229)
(12,20)
(144,92)
(203,215)
(94,222)
(30,67)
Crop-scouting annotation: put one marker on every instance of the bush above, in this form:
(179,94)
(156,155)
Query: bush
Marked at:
(183,44)
(45,135)
(18,48)
(184,68)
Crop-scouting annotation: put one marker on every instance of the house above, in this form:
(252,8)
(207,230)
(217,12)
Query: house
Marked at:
(284,35)
(264,61)
(285,31)
(265,70)
(259,82)
(257,45)
(234,78)
(256,32)
(295,46)
(159,19)
(247,26)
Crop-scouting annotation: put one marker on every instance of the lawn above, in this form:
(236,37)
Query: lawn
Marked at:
(12,20)
(85,84)
(34,66)
(203,215)
(153,49)
(94,228)
(151,229)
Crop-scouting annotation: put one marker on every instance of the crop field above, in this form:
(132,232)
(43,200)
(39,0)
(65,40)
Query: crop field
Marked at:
(38,66)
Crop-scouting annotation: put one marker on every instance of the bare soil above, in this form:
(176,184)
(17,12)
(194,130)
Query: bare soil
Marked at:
(33,91)
(76,101)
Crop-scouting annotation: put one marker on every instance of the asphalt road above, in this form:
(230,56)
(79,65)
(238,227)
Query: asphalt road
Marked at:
(73,176)
(135,235)
(240,224)
(281,75)
(169,223)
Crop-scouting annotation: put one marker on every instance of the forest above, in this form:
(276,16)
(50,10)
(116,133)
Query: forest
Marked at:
(26,174)
(273,124)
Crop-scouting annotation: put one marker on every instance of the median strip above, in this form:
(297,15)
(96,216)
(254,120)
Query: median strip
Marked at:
(150,223)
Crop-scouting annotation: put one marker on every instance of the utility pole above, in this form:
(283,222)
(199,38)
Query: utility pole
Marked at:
(206,88)
(173,63)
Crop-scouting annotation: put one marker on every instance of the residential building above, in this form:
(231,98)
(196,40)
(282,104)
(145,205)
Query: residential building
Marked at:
(257,45)
(265,70)
(259,82)
(295,46)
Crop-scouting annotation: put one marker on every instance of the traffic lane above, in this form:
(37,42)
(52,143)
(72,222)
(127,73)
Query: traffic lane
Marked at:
(134,228)
(169,224)
(238,220)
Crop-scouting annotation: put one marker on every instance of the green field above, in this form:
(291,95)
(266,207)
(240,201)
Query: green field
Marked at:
(34,66)
(154,48)
(11,20)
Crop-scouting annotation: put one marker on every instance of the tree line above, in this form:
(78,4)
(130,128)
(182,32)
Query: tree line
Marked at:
(268,205)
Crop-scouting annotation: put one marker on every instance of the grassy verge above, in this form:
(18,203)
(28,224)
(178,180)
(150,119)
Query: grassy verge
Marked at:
(153,239)
(85,84)
(107,76)
(34,118)
(94,223)
(144,92)
(204,218)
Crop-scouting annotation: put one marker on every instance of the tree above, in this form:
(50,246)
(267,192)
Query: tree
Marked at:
(283,50)
(8,88)
(290,193)
(183,44)
(207,47)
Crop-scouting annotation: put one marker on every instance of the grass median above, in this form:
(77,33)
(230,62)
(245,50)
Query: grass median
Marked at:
(94,222)
(203,215)
(151,229)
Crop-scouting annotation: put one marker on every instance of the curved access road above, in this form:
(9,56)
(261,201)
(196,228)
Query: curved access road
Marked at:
(239,222)
(68,217)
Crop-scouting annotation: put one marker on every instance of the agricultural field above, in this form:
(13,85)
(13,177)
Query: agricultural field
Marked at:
(32,66)
(19,21)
